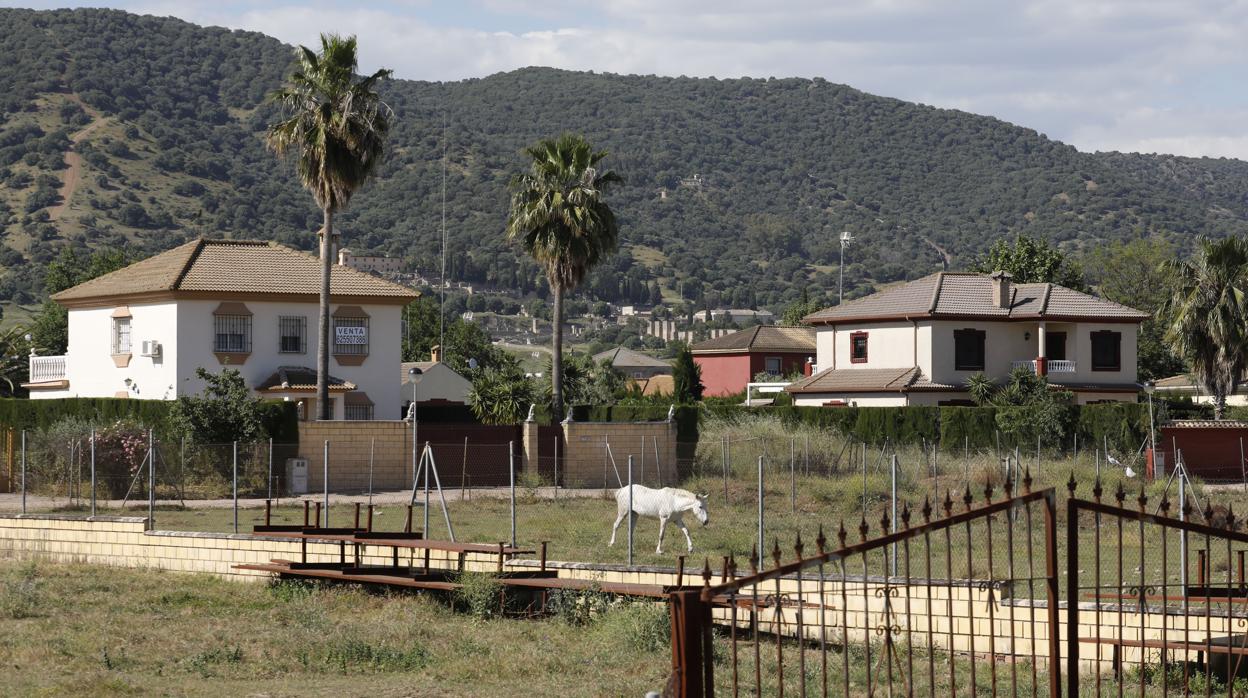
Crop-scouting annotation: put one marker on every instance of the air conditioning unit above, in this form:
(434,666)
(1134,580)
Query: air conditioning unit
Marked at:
(150,347)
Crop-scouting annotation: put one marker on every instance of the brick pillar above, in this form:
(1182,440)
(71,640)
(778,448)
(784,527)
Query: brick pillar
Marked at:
(531,454)
(1042,366)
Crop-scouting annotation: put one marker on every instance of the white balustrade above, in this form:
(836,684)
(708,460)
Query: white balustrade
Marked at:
(47,368)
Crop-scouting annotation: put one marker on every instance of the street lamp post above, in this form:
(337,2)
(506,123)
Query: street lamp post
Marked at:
(412,373)
(1149,388)
(846,238)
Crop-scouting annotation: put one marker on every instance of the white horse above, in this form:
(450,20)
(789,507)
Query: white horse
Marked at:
(668,504)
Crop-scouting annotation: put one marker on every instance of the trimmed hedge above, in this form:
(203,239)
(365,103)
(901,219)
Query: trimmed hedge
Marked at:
(279,419)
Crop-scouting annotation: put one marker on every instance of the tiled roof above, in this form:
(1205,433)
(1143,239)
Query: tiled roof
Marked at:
(858,380)
(623,356)
(656,385)
(761,338)
(1205,424)
(300,378)
(964,295)
(233,266)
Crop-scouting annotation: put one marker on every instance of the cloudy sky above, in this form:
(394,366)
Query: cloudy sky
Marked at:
(1134,75)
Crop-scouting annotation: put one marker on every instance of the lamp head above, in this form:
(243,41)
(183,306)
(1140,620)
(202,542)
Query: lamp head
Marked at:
(1150,387)
(414,371)
(846,237)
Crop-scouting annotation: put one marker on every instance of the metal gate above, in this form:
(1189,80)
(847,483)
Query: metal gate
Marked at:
(956,599)
(1141,617)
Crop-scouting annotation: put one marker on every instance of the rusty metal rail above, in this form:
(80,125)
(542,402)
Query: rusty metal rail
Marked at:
(1179,633)
(916,608)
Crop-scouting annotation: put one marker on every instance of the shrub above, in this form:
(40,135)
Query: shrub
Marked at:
(478,594)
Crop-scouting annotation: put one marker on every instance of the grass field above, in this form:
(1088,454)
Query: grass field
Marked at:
(92,631)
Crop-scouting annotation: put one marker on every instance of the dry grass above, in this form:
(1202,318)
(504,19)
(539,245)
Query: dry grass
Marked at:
(102,631)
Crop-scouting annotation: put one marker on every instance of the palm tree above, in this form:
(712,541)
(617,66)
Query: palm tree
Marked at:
(335,125)
(1206,315)
(560,217)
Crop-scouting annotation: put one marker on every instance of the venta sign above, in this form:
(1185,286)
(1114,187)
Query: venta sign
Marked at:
(351,335)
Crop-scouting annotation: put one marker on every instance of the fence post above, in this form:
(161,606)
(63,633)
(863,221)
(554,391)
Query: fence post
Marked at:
(760,504)
(23,471)
(151,484)
(270,480)
(234,461)
(93,472)
(727,458)
(556,453)
(692,665)
(511,468)
(894,519)
(630,510)
(1072,594)
(372,445)
(325,478)
(792,476)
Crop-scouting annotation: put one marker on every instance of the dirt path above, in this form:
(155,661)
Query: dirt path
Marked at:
(73,161)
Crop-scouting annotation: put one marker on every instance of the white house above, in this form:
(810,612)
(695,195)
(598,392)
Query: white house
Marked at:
(436,383)
(142,331)
(918,343)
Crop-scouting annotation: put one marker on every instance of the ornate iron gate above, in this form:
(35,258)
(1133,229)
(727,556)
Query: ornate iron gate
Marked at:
(960,602)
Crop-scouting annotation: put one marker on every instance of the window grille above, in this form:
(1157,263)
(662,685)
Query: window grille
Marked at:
(293,333)
(233,334)
(121,335)
(351,336)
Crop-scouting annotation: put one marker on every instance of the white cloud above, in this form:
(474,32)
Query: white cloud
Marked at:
(1100,74)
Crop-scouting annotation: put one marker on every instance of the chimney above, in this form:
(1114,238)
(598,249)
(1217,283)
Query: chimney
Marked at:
(435,354)
(1001,289)
(344,256)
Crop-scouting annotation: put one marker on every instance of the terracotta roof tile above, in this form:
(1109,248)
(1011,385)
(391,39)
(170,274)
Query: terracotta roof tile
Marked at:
(857,380)
(761,338)
(970,295)
(233,266)
(300,378)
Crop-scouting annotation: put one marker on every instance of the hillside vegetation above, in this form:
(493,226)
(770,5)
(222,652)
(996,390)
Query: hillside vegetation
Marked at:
(121,129)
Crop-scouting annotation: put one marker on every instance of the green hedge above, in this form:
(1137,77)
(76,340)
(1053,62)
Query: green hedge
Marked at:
(280,419)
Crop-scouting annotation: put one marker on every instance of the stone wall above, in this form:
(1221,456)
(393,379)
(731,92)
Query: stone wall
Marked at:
(596,454)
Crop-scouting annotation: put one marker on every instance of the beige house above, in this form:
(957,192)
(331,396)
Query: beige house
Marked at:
(1186,385)
(634,364)
(142,332)
(918,343)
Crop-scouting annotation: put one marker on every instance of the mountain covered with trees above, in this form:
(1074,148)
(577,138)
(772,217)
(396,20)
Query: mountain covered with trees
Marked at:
(124,130)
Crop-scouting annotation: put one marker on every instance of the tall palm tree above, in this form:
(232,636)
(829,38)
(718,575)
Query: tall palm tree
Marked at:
(335,125)
(1206,315)
(562,220)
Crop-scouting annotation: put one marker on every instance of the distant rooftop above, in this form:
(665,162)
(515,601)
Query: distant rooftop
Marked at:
(623,356)
(760,338)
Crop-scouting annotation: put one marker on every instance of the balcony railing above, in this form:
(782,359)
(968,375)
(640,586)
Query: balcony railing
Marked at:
(1051,365)
(44,369)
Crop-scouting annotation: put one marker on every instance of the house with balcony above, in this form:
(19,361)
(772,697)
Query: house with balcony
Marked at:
(918,343)
(142,331)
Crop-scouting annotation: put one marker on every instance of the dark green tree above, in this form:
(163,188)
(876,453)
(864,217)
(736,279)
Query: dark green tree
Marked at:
(561,218)
(1135,275)
(501,395)
(226,410)
(1029,261)
(49,329)
(335,125)
(686,378)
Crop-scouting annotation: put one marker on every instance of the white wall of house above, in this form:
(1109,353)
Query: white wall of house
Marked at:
(889,345)
(185,329)
(91,370)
